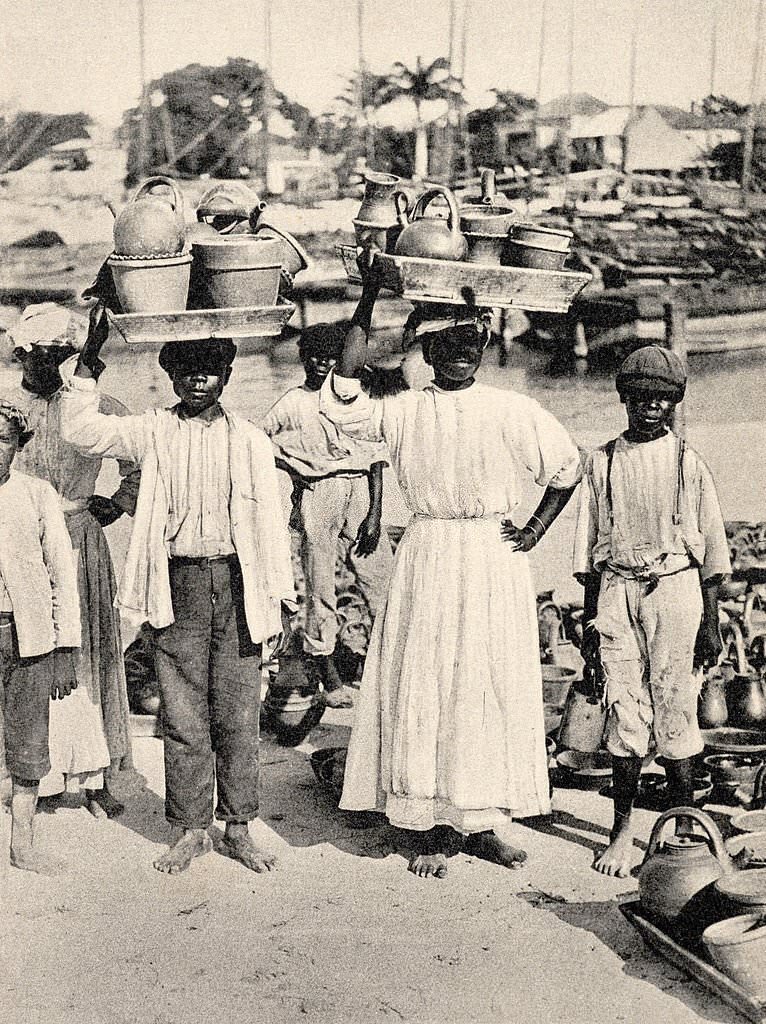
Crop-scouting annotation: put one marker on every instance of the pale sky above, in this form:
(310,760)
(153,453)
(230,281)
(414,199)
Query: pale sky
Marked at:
(67,55)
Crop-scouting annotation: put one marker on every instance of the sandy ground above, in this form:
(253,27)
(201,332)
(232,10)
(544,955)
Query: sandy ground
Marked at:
(341,932)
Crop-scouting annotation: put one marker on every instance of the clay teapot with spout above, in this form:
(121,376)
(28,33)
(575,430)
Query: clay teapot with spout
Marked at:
(430,237)
(745,698)
(712,711)
(152,223)
(675,882)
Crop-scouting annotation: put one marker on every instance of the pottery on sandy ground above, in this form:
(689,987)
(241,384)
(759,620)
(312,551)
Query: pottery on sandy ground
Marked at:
(583,719)
(152,222)
(712,711)
(557,679)
(749,847)
(737,947)
(677,871)
(732,770)
(743,892)
(431,237)
(754,820)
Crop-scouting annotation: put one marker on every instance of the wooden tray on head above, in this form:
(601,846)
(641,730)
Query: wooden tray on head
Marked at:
(700,970)
(473,284)
(197,324)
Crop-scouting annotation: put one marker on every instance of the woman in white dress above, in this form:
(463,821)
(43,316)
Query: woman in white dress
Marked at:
(448,739)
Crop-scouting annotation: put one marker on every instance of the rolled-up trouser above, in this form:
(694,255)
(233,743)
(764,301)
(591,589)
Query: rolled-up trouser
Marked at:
(647,651)
(208,671)
(333,508)
(25,690)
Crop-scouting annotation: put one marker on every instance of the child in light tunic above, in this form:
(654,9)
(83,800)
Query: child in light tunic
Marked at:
(650,549)
(449,739)
(338,495)
(90,732)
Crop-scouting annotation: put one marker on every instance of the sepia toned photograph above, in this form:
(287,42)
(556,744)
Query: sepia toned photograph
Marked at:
(382,511)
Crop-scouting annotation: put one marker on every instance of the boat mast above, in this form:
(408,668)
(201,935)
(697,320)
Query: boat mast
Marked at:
(631,86)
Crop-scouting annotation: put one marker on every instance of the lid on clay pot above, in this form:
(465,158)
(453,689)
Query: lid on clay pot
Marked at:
(745,887)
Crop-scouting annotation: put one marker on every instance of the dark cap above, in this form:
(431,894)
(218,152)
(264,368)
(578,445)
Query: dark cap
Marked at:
(655,369)
(211,355)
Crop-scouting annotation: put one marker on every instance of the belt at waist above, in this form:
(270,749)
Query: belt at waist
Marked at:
(202,560)
(650,576)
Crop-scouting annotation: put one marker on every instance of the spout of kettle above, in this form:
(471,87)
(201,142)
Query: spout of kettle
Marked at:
(488,186)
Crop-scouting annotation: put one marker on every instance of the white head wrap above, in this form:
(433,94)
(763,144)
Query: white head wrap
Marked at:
(49,324)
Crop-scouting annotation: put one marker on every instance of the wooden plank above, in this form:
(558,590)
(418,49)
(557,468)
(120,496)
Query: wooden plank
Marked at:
(196,324)
(699,970)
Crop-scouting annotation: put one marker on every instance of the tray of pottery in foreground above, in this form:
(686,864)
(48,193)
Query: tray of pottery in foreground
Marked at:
(478,284)
(197,324)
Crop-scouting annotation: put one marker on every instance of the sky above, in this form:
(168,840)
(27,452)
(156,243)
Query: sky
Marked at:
(70,55)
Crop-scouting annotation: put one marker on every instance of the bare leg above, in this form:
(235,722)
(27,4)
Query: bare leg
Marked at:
(101,803)
(23,854)
(194,842)
(681,790)
(240,846)
(491,847)
(430,850)
(615,860)
(336,694)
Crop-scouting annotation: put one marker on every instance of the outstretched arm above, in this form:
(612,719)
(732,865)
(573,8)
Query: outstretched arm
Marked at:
(354,356)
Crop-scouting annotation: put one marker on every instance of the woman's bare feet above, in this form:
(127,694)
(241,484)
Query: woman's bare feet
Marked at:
(26,858)
(193,843)
(615,860)
(339,698)
(430,851)
(490,847)
(239,845)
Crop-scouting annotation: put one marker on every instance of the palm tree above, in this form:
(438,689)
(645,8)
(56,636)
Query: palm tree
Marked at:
(421,84)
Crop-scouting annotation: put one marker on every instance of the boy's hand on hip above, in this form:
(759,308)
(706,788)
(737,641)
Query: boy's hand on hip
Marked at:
(103,510)
(368,535)
(61,688)
(521,538)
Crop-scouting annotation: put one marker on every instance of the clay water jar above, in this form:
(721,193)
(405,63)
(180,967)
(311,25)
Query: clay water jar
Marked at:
(737,947)
(583,720)
(238,270)
(675,881)
(377,209)
(733,770)
(431,237)
(152,223)
(485,222)
(745,698)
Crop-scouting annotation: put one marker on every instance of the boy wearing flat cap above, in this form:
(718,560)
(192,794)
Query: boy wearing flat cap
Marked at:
(651,550)
(208,566)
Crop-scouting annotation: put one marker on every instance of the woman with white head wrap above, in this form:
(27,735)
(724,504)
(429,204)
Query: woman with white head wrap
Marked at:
(90,733)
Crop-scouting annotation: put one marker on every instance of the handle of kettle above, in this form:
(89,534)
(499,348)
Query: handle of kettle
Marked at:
(702,819)
(432,193)
(402,205)
(759,789)
(161,179)
(735,632)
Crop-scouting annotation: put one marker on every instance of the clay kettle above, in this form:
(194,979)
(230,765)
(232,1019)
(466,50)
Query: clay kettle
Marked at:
(676,879)
(712,712)
(152,223)
(431,237)
(744,693)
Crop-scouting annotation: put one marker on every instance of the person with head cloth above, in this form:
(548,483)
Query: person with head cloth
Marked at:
(650,549)
(208,566)
(90,732)
(39,631)
(449,740)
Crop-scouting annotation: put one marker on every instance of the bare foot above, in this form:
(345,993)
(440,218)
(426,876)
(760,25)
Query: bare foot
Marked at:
(28,859)
(490,847)
(193,843)
(242,848)
(615,860)
(104,802)
(340,698)
(428,865)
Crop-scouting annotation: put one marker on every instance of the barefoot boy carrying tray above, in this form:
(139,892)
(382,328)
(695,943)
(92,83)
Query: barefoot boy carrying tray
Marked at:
(208,567)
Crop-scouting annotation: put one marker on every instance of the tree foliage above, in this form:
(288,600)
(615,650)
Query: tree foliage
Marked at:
(201,115)
(30,134)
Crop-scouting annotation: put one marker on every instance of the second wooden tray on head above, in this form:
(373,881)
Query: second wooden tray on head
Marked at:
(198,324)
(453,282)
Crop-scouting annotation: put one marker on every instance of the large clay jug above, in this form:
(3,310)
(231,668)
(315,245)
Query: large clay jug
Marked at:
(584,717)
(152,223)
(675,882)
(377,209)
(432,237)
(712,711)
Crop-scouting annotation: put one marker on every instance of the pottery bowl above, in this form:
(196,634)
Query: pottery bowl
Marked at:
(732,770)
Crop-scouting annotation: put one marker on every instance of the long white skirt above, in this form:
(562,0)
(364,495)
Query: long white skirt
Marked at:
(449,721)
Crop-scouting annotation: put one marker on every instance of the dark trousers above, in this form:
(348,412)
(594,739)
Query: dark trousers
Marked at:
(209,676)
(25,693)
